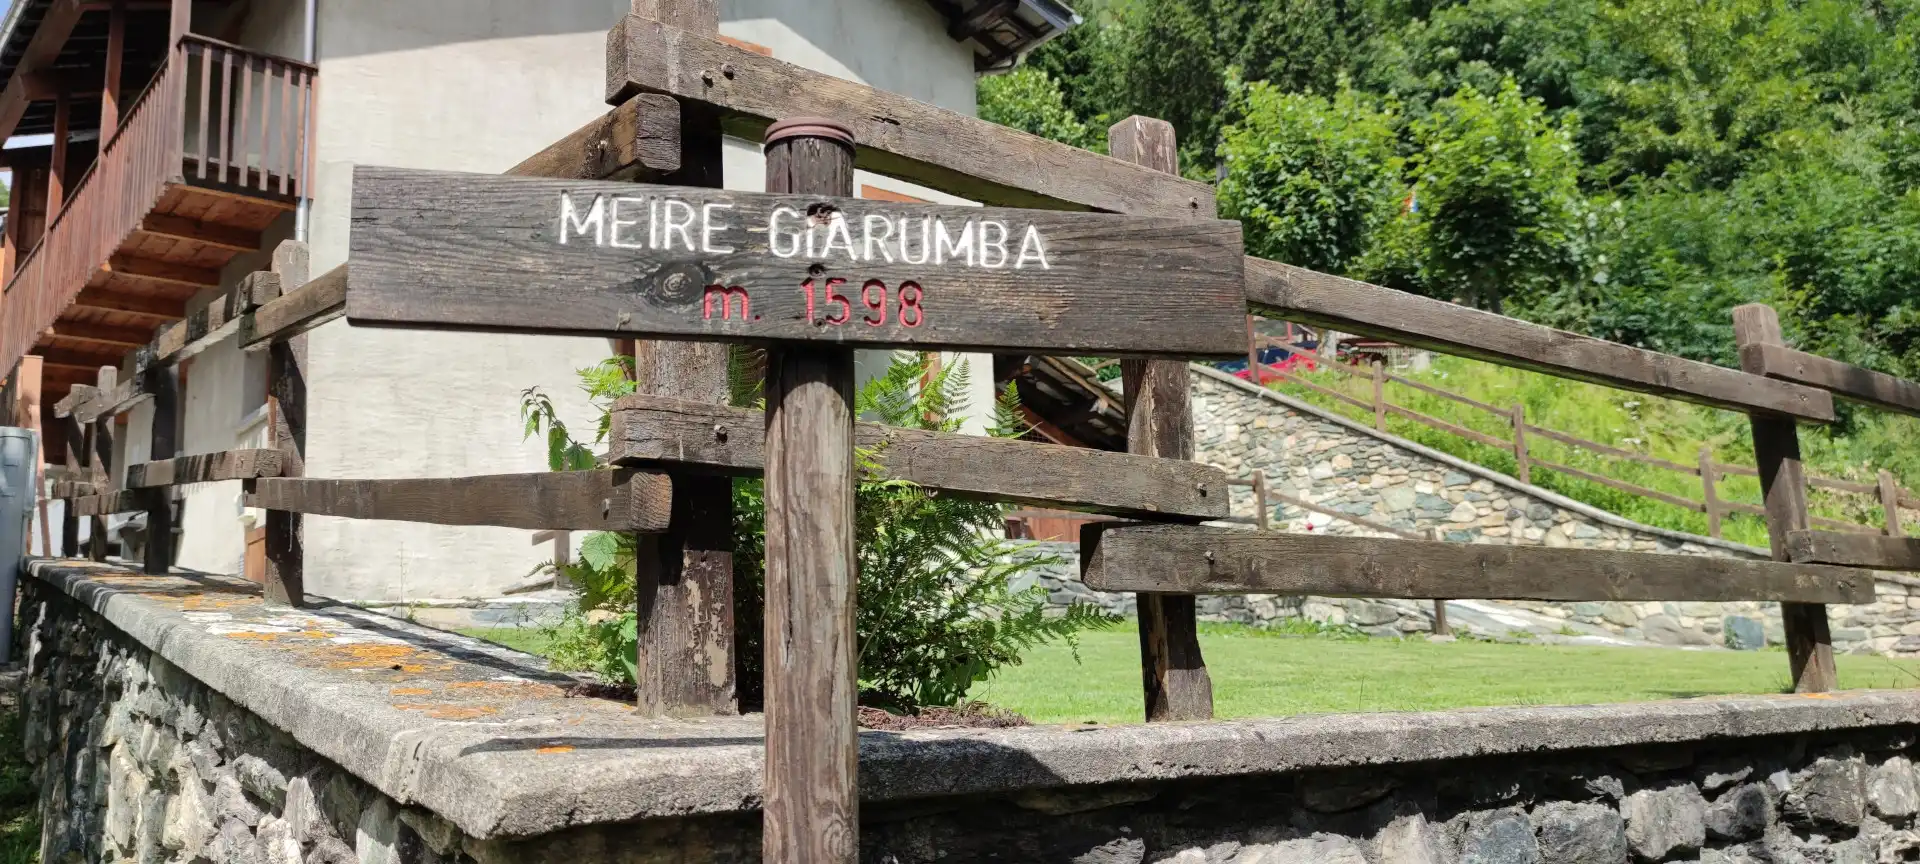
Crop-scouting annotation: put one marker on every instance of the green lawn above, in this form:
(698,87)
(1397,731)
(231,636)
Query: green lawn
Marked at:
(1260,674)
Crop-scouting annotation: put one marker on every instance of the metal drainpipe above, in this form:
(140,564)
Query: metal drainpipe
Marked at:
(308,51)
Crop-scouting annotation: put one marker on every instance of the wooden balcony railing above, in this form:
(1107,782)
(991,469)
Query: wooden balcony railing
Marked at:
(214,115)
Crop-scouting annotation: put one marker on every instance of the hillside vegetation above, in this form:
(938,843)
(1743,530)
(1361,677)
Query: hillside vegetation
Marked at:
(1629,169)
(1649,425)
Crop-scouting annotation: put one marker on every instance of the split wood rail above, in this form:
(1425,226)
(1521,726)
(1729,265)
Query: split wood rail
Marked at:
(1713,502)
(1158,283)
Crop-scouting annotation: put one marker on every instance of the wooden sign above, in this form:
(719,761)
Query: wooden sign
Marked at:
(469,251)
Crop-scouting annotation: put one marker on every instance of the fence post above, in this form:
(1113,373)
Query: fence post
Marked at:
(1523,467)
(76,446)
(1890,503)
(1160,423)
(1711,496)
(1379,395)
(1440,625)
(1783,483)
(285,577)
(165,442)
(684,593)
(101,435)
(1260,498)
(812,811)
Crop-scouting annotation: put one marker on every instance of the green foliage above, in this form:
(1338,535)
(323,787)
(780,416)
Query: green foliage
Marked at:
(1029,100)
(1309,177)
(936,613)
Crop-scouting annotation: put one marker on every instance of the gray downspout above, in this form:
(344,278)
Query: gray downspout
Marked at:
(308,51)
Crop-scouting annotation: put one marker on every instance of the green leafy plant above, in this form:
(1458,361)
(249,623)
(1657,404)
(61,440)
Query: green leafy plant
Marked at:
(936,611)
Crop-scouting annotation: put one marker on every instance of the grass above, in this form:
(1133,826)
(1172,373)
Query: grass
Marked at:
(1261,673)
(1662,428)
(19,800)
(532,640)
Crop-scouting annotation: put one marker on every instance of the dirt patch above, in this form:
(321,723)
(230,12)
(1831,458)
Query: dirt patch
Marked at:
(973,715)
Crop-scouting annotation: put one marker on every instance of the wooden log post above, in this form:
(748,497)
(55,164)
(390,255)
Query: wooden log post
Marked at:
(160,382)
(1890,503)
(1379,395)
(685,590)
(811,809)
(76,441)
(1260,499)
(285,581)
(100,437)
(1160,423)
(1253,354)
(1709,493)
(1523,467)
(1440,625)
(1783,485)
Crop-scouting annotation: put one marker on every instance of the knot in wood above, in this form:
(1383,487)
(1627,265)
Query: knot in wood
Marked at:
(727,71)
(720,433)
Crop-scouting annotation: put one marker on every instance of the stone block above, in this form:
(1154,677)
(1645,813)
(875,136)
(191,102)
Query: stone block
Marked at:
(1832,792)
(1742,813)
(1494,837)
(1571,833)
(1665,822)
(1743,633)
(1892,790)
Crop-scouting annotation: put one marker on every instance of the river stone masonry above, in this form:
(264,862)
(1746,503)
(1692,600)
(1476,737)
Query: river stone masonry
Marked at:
(1341,465)
(181,719)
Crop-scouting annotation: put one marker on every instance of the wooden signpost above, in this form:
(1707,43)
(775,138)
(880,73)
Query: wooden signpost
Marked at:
(814,274)
(622,260)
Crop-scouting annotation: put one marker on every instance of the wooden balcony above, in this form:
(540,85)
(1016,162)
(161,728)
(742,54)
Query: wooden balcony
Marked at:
(210,154)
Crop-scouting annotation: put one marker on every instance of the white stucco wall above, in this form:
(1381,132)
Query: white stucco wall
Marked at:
(479,85)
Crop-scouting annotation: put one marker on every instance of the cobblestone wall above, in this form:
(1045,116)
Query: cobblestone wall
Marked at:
(1344,467)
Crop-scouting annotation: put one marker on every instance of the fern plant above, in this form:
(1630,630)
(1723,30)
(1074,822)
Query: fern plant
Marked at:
(936,613)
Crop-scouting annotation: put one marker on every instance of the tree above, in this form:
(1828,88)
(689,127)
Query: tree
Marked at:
(1029,100)
(1309,177)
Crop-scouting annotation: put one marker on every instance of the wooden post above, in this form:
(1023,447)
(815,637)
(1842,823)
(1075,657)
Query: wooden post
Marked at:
(110,88)
(1253,355)
(1890,503)
(1379,395)
(1709,479)
(100,435)
(285,581)
(1160,423)
(1523,468)
(57,172)
(1783,483)
(1260,499)
(74,437)
(166,436)
(811,809)
(686,663)
(1440,625)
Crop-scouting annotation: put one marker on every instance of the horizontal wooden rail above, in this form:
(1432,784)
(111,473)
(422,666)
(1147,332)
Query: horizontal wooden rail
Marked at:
(205,468)
(1182,559)
(1444,394)
(1622,485)
(1437,423)
(894,135)
(1327,391)
(1296,294)
(1309,506)
(1871,551)
(618,500)
(111,503)
(1615,452)
(639,140)
(63,489)
(298,311)
(1845,380)
(1839,525)
(653,429)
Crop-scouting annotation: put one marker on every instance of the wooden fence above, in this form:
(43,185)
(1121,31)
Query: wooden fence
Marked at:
(1712,501)
(667,445)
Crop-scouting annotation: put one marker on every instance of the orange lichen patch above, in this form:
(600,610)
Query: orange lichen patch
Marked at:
(399,658)
(211,602)
(452,712)
(561,748)
(410,691)
(1816,695)
(509,689)
(316,634)
(258,637)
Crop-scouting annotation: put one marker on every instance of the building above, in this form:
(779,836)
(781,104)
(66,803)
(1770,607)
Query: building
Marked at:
(195,136)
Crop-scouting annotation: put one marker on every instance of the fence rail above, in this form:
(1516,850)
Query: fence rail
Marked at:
(1888,495)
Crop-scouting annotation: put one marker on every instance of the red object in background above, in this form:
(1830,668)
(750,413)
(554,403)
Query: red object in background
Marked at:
(1293,363)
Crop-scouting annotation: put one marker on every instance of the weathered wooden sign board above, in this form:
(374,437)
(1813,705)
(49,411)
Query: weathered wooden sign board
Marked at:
(432,248)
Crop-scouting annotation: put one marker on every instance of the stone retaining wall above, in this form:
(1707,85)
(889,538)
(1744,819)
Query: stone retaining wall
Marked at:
(180,719)
(1344,466)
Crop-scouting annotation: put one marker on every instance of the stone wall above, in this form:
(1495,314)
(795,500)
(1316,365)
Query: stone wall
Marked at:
(1344,466)
(180,719)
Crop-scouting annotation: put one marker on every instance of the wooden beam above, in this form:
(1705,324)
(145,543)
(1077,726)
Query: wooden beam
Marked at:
(896,136)
(297,311)
(1783,491)
(1205,560)
(116,54)
(78,395)
(617,500)
(205,468)
(668,431)
(64,489)
(163,271)
(110,503)
(208,233)
(102,334)
(41,52)
(1845,380)
(480,251)
(1847,549)
(134,304)
(640,140)
(1308,297)
(57,173)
